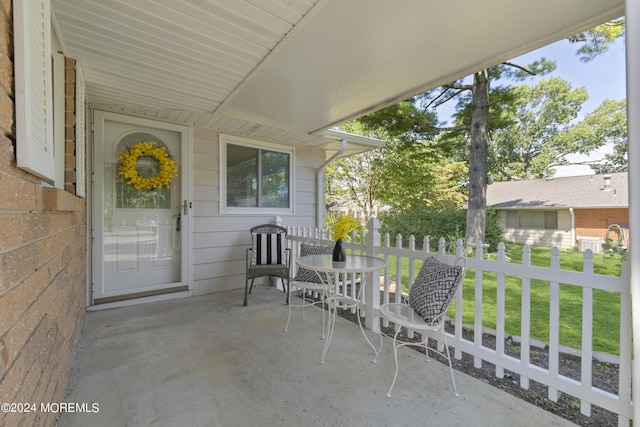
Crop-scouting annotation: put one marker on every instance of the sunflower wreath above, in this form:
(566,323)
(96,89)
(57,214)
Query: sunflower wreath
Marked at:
(129,158)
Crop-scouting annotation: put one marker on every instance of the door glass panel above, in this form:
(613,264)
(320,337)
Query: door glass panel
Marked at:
(141,243)
(127,196)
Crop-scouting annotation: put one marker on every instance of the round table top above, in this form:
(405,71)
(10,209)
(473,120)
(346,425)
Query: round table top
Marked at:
(353,263)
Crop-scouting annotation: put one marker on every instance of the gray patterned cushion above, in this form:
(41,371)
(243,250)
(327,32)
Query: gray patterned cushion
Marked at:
(434,288)
(304,275)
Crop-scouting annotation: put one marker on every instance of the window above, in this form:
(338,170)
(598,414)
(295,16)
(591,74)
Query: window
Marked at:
(255,178)
(512,219)
(551,219)
(532,219)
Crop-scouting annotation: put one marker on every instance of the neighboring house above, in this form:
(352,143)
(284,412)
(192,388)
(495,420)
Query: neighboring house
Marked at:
(228,89)
(576,211)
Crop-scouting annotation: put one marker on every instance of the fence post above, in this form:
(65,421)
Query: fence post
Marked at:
(372,286)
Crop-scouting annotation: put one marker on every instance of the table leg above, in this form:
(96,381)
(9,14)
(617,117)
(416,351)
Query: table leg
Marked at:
(333,303)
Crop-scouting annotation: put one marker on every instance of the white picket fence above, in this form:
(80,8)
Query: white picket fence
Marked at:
(581,389)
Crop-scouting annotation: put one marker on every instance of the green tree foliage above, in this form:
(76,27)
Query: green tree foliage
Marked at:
(597,40)
(537,138)
(481,110)
(607,123)
(417,176)
(403,175)
(484,111)
(404,122)
(356,181)
(501,96)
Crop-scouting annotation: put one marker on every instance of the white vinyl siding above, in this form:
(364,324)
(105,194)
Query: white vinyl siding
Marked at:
(33,83)
(220,241)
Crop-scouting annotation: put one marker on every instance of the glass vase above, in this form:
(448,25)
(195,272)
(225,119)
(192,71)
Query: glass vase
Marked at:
(339,254)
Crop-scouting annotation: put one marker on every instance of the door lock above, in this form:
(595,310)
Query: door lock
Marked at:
(186,205)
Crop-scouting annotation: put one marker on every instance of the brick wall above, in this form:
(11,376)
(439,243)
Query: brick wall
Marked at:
(42,264)
(594,222)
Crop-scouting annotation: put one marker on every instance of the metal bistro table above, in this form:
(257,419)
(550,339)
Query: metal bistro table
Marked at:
(353,264)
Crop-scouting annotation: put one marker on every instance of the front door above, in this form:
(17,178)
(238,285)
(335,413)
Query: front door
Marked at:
(140,225)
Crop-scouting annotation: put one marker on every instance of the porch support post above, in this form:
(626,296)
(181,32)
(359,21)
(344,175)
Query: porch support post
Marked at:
(372,286)
(632,17)
(321,189)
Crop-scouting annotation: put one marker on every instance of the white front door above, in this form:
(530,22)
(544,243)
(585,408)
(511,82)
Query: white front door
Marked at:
(140,235)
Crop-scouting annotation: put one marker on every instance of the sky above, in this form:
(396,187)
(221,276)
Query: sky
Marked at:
(603,77)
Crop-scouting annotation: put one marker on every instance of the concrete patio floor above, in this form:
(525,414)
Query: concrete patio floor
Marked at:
(209,361)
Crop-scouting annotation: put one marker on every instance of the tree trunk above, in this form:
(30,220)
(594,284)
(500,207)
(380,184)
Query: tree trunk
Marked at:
(476,213)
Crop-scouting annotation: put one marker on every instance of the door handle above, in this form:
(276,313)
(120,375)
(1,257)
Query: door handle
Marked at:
(186,205)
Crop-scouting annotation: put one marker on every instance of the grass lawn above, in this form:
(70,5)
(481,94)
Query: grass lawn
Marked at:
(606,327)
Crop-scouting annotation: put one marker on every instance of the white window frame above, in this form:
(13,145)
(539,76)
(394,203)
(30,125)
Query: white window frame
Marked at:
(234,210)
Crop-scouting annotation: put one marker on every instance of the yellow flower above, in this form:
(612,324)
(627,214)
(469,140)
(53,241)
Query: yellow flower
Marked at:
(129,158)
(344,226)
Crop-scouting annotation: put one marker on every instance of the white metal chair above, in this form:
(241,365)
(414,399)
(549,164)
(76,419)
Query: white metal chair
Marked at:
(268,256)
(429,299)
(309,281)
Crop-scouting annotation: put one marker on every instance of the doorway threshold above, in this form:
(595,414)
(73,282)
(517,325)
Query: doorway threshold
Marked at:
(141,298)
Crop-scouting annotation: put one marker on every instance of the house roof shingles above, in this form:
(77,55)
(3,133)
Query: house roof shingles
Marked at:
(585,191)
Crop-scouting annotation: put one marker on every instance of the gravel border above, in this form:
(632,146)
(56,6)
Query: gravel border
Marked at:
(604,376)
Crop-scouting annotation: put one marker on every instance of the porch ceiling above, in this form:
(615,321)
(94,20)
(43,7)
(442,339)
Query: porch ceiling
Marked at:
(284,70)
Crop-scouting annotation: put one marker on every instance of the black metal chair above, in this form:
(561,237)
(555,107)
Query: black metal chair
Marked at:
(268,256)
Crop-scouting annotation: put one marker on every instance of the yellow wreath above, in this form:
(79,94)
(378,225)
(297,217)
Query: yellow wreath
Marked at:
(129,158)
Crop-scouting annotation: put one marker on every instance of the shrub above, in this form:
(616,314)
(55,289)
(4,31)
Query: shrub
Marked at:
(435,223)
(493,232)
